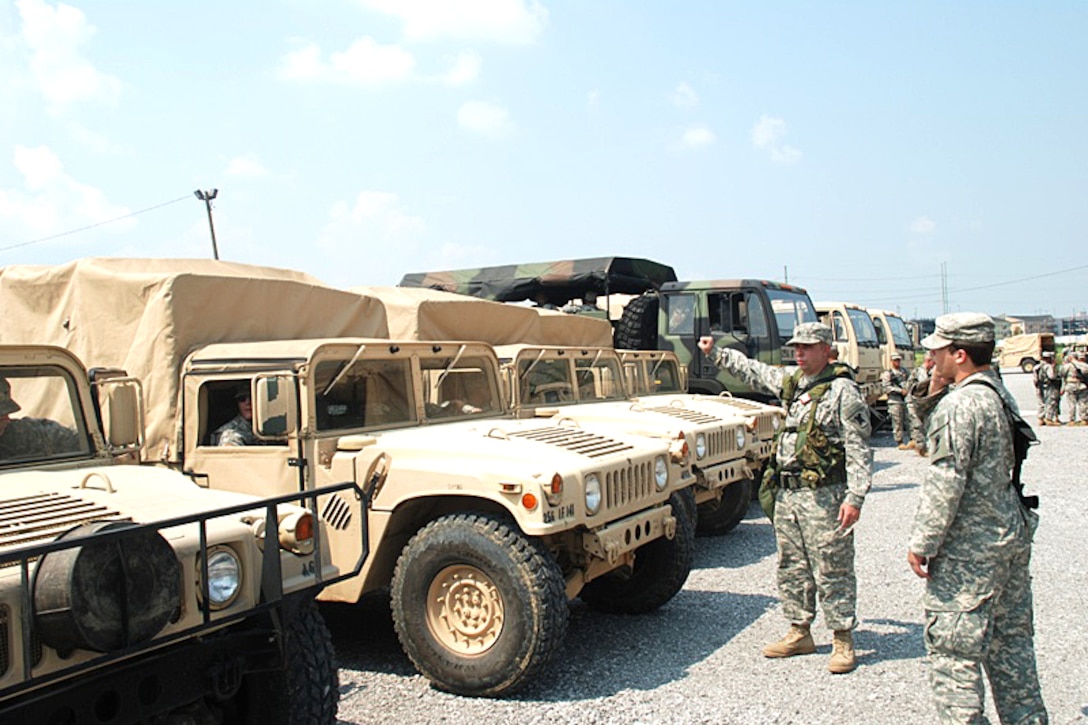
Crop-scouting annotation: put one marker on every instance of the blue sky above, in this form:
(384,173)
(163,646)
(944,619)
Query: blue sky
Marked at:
(853,146)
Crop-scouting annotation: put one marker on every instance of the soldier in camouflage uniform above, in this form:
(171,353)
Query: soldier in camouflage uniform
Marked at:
(894,381)
(1051,384)
(31,437)
(815,505)
(238,431)
(1075,389)
(919,376)
(971,537)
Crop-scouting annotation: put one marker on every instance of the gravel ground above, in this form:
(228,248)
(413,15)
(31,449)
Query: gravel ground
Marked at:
(697,660)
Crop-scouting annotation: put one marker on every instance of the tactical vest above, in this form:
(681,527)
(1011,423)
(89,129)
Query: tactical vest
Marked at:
(819,462)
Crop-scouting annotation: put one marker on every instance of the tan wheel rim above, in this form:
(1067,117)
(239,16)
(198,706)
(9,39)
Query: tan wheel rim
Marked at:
(465,610)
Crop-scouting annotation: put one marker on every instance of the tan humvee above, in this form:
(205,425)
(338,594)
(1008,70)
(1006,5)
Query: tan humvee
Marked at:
(126,592)
(482,526)
(585,385)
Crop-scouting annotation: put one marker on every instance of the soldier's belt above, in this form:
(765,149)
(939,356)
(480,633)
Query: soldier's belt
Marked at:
(795,480)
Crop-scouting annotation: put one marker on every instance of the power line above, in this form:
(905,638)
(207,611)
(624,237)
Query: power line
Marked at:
(92,226)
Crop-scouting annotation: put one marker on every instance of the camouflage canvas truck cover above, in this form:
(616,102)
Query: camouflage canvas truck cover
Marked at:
(129,594)
(656,375)
(584,386)
(481,531)
(854,336)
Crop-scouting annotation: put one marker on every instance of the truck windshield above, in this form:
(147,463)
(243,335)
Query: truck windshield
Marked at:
(863,326)
(459,386)
(664,377)
(900,333)
(40,415)
(363,394)
(599,378)
(791,309)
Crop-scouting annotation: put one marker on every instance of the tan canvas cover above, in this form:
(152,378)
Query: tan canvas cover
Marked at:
(146,315)
(427,314)
(1018,347)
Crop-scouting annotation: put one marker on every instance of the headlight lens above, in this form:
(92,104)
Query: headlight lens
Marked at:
(661,472)
(224,578)
(700,446)
(593,493)
(740,436)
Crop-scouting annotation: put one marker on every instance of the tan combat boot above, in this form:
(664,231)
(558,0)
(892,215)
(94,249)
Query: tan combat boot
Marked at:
(922,451)
(912,445)
(798,641)
(842,653)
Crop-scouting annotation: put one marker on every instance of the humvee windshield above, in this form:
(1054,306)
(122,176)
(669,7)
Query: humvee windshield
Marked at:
(457,386)
(665,377)
(790,309)
(40,415)
(599,379)
(363,394)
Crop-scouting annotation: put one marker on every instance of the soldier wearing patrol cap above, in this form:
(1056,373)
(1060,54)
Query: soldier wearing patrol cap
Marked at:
(238,431)
(971,536)
(814,487)
(1049,383)
(1074,376)
(31,437)
(894,380)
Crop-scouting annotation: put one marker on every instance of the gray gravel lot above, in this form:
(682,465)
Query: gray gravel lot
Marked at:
(698,659)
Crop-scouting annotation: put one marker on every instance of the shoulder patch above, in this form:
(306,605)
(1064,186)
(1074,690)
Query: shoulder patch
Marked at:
(940,442)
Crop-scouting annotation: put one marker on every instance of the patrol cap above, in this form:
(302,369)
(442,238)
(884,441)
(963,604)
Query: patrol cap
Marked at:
(897,356)
(7,405)
(242,392)
(964,327)
(810,333)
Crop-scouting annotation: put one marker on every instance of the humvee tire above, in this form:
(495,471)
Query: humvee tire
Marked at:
(637,327)
(478,606)
(721,516)
(660,570)
(307,688)
(1028,365)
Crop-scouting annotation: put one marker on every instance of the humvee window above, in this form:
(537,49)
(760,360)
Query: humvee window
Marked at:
(364,394)
(40,415)
(665,377)
(459,386)
(599,379)
(681,314)
(545,381)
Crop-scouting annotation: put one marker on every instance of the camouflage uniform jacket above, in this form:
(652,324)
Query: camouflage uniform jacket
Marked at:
(967,505)
(37,438)
(895,382)
(1048,375)
(1070,381)
(841,414)
(236,432)
(918,375)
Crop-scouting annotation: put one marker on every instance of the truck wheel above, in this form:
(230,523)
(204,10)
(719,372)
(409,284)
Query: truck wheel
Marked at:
(659,572)
(479,608)
(722,515)
(1028,365)
(307,687)
(637,327)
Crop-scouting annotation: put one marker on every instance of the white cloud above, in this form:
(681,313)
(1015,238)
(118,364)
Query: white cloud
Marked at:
(248,166)
(697,137)
(516,22)
(466,68)
(484,118)
(50,200)
(767,135)
(923,225)
(365,63)
(685,97)
(61,74)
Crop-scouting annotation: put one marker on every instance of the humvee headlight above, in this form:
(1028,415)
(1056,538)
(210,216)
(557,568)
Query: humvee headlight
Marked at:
(740,437)
(661,473)
(700,445)
(593,493)
(224,577)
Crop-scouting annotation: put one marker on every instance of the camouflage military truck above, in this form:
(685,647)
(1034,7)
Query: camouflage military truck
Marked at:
(855,338)
(127,594)
(755,316)
(894,336)
(584,386)
(482,526)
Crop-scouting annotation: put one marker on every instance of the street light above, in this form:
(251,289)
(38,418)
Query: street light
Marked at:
(206,196)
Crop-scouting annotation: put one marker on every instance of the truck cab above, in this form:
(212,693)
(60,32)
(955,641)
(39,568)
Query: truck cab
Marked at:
(855,338)
(894,336)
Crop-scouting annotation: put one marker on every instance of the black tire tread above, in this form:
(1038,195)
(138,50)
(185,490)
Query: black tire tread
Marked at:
(637,327)
(717,518)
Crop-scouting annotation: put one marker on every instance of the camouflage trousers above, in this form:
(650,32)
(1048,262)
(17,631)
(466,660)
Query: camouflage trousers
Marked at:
(814,558)
(917,430)
(897,411)
(1077,405)
(1051,407)
(995,636)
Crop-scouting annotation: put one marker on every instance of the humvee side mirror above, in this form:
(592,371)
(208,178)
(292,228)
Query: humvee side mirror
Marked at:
(122,413)
(275,406)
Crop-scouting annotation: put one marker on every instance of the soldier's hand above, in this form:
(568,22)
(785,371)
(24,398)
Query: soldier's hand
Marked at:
(937,383)
(848,516)
(706,344)
(918,564)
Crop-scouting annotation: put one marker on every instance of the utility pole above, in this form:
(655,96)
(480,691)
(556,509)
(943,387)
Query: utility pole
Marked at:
(785,274)
(944,288)
(206,196)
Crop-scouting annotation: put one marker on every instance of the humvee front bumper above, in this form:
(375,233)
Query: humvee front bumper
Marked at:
(611,542)
(722,474)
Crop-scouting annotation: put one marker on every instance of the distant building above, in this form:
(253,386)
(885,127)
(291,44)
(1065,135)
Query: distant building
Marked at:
(1028,324)
(1002,327)
(1076,325)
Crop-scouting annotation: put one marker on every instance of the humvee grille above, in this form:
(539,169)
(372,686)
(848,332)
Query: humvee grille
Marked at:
(574,439)
(626,485)
(46,516)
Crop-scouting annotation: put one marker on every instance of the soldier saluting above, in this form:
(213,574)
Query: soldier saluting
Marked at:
(971,537)
(817,479)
